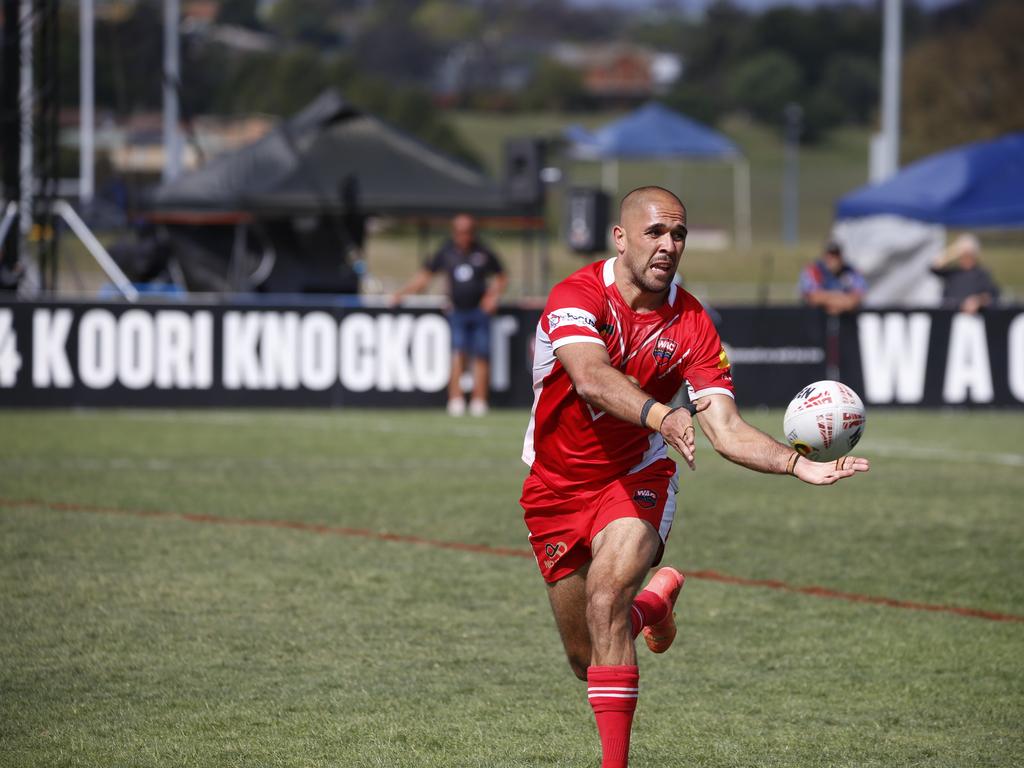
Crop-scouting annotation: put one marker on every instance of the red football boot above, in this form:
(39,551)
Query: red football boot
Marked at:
(666,584)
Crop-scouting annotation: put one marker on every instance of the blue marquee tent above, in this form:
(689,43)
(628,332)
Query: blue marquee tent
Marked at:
(651,131)
(974,185)
(655,132)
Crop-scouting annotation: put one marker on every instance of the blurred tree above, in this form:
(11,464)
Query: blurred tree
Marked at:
(700,101)
(240,13)
(306,20)
(852,81)
(447,21)
(965,85)
(555,86)
(390,45)
(764,84)
(716,45)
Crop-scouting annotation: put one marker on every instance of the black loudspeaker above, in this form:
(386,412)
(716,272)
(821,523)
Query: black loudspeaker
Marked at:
(587,230)
(524,159)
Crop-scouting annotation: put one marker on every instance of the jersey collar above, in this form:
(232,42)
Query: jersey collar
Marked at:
(608,273)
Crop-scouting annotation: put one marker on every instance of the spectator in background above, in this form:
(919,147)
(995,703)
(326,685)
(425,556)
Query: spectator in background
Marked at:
(476,280)
(831,283)
(967,286)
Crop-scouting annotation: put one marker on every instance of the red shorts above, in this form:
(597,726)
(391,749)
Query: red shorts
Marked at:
(563,527)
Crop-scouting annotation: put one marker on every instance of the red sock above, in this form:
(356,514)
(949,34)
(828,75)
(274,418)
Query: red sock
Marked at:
(648,608)
(612,692)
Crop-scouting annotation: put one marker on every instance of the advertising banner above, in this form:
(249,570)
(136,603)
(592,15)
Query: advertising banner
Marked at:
(231,355)
(234,355)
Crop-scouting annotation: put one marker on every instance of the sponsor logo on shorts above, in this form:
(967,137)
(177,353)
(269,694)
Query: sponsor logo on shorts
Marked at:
(554,552)
(645,498)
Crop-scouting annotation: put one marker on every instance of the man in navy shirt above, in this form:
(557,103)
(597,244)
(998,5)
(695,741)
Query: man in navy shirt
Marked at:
(476,279)
(831,283)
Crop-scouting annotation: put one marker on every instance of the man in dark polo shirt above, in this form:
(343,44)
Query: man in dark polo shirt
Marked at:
(476,280)
(967,286)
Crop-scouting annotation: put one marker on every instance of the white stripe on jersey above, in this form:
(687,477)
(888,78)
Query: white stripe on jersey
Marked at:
(707,391)
(653,335)
(559,343)
(571,316)
(670,507)
(609,271)
(618,328)
(543,363)
(655,450)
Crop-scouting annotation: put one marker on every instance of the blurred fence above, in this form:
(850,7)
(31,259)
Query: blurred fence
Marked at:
(183,355)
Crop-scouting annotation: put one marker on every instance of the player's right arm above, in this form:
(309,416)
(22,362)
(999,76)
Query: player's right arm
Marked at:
(607,389)
(744,444)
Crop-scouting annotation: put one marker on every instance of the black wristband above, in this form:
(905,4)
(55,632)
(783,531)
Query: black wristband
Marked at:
(646,410)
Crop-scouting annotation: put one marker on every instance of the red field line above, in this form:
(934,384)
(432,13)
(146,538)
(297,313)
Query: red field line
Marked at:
(366,533)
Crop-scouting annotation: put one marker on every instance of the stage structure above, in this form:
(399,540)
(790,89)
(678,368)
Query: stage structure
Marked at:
(33,207)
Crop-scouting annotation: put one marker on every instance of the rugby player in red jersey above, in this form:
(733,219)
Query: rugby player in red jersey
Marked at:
(616,341)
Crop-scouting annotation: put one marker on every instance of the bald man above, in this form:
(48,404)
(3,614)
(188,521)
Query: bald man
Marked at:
(617,340)
(476,281)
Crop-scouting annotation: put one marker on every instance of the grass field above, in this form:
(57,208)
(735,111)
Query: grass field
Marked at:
(288,588)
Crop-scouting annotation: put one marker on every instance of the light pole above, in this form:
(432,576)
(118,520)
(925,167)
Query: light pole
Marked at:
(885,145)
(794,114)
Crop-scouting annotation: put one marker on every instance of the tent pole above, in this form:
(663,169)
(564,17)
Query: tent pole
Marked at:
(741,204)
(675,177)
(610,177)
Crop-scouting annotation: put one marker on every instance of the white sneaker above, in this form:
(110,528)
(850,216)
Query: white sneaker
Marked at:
(456,407)
(478,408)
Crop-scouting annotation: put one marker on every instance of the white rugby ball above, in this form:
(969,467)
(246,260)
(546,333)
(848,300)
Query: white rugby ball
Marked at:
(824,421)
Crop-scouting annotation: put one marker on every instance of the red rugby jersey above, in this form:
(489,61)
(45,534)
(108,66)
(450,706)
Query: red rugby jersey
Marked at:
(570,445)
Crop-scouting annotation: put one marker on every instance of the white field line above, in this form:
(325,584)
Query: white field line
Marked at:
(467,428)
(912,452)
(464,427)
(245,464)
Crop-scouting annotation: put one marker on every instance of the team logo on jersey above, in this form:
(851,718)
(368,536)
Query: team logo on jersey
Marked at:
(645,497)
(554,552)
(664,350)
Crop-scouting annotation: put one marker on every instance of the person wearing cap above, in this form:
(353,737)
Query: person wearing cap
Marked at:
(831,283)
(967,286)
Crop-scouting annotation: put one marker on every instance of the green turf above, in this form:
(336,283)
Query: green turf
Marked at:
(159,641)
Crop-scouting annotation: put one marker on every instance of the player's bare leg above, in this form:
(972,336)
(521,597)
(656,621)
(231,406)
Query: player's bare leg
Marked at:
(456,403)
(622,554)
(481,385)
(568,599)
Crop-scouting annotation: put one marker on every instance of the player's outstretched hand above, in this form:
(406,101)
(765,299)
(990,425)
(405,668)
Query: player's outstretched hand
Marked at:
(679,432)
(829,472)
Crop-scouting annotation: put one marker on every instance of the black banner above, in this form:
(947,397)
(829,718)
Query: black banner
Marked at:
(184,355)
(934,358)
(775,352)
